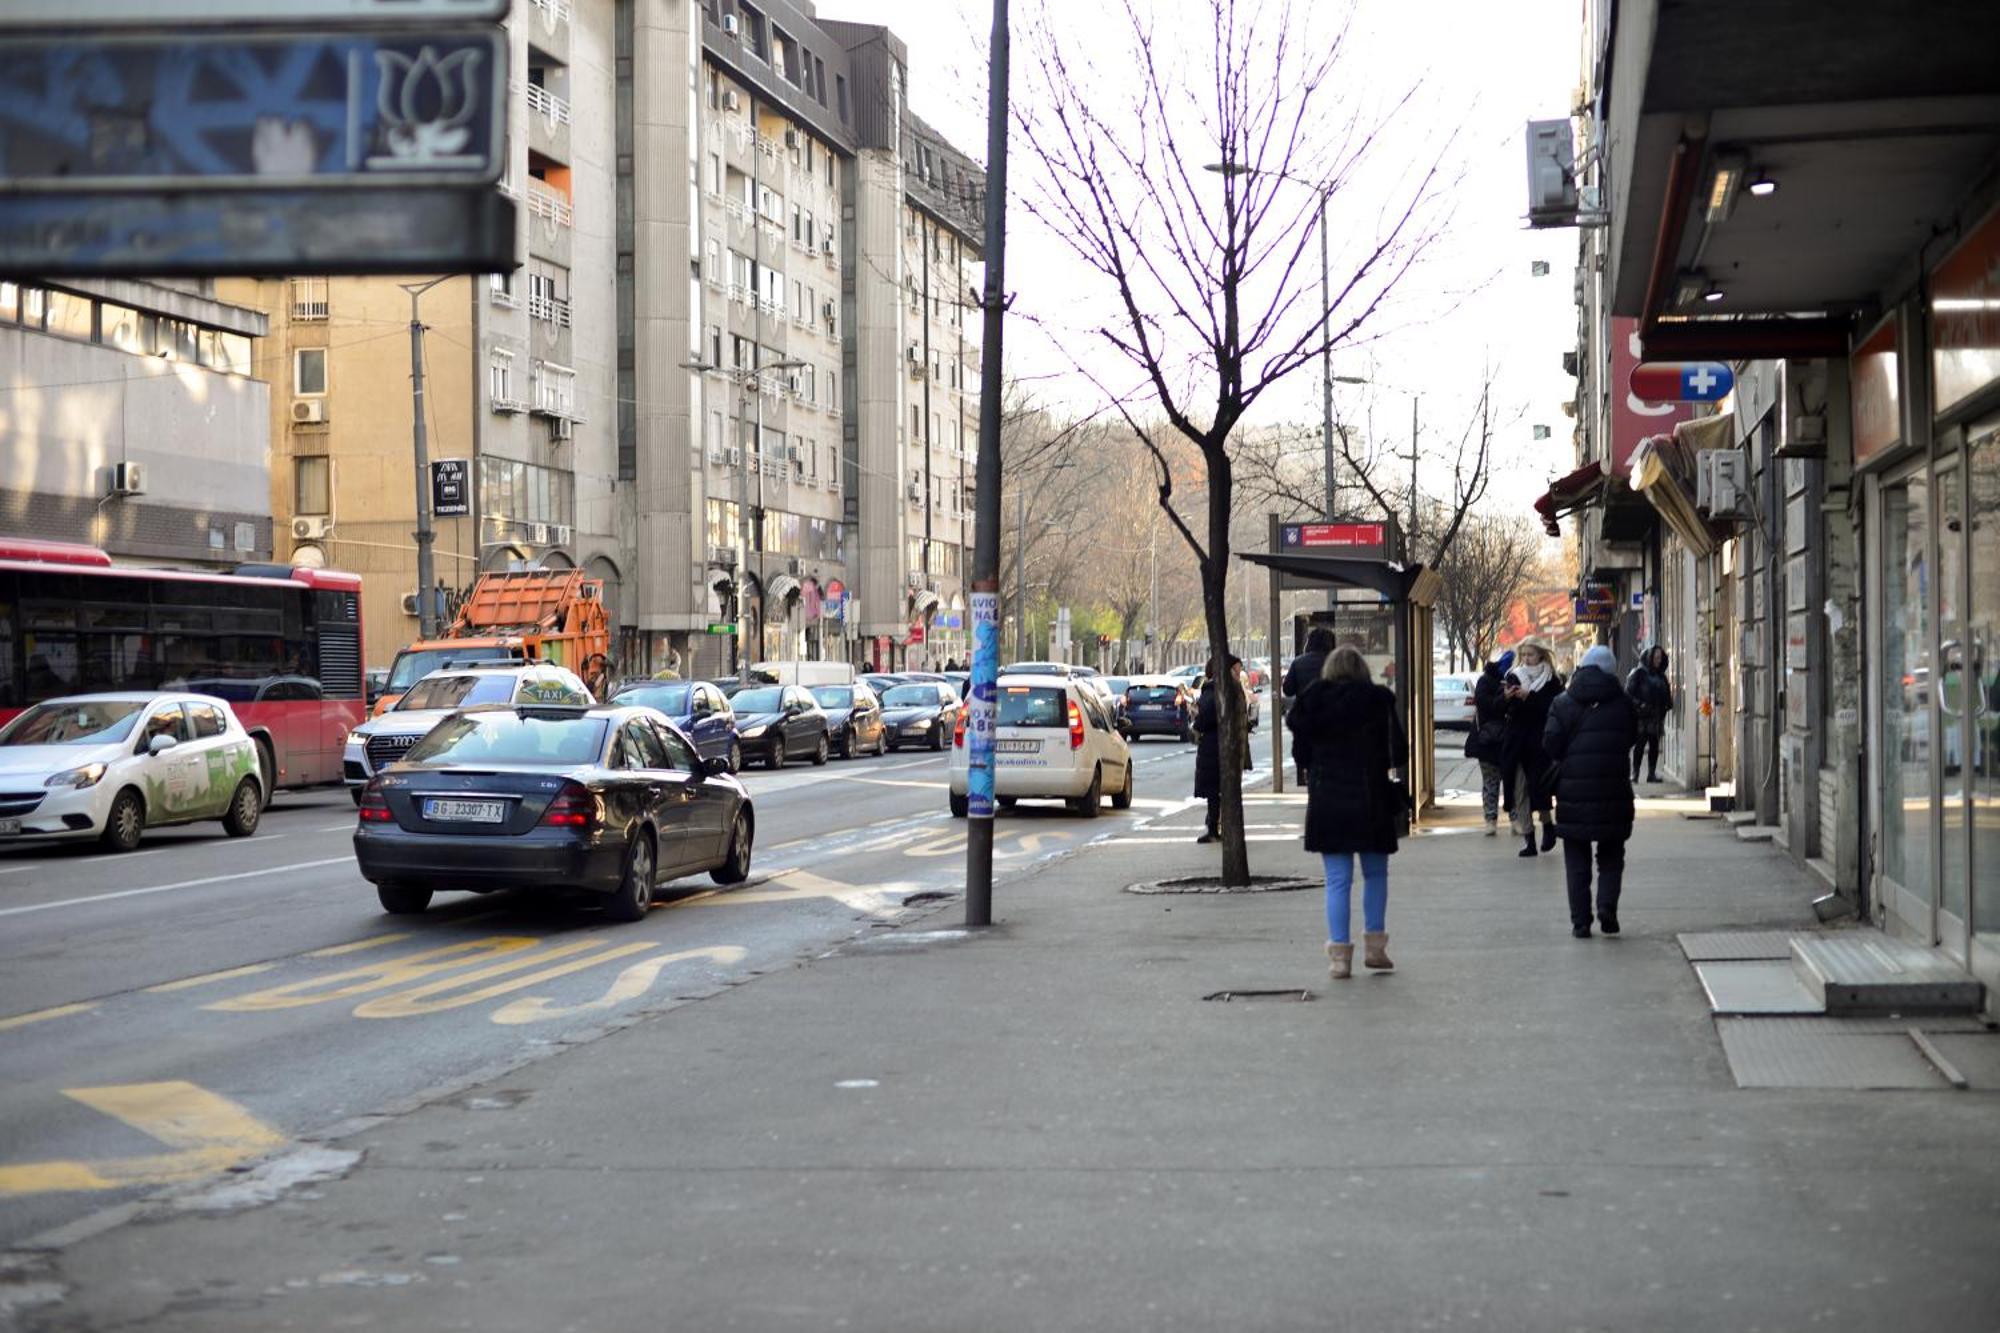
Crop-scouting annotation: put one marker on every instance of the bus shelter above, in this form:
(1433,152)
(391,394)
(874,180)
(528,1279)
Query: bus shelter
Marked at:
(1381,606)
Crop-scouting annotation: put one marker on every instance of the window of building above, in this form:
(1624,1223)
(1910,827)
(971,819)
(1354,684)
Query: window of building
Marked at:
(70,315)
(312,484)
(715,173)
(501,287)
(121,327)
(309,372)
(500,377)
(819,80)
(309,298)
(756,34)
(714,346)
(840,91)
(916,424)
(34,306)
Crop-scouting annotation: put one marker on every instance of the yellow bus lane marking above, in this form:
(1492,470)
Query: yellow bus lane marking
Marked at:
(803,884)
(633,982)
(207,978)
(948,845)
(385,974)
(356,946)
(420,1000)
(209,1133)
(43,1015)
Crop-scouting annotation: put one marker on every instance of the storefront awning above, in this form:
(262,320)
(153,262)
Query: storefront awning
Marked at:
(781,587)
(1663,470)
(923,602)
(1570,493)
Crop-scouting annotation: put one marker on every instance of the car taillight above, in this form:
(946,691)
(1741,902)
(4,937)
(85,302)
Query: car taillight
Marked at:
(374,805)
(1075,726)
(958,732)
(572,807)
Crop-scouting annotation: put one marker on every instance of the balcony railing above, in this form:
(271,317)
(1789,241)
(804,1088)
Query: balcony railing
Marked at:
(552,11)
(546,203)
(550,310)
(553,109)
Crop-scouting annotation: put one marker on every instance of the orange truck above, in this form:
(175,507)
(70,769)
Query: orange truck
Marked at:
(522,615)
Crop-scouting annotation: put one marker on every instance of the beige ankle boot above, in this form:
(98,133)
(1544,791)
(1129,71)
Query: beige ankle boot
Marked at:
(1342,965)
(1378,950)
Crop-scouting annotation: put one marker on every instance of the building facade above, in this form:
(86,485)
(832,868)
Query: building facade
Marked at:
(134,417)
(736,367)
(1820,548)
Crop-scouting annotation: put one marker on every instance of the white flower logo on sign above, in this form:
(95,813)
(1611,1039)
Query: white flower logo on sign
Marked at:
(426,103)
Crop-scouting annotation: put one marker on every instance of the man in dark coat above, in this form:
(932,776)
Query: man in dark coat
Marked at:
(1353,805)
(1652,696)
(1489,725)
(1589,733)
(1208,751)
(1299,676)
(1530,688)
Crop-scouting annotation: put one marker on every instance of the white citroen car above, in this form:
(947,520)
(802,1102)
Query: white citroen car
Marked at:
(1054,739)
(111,766)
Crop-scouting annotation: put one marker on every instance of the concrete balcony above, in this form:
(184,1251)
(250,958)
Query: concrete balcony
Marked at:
(548,25)
(550,219)
(548,123)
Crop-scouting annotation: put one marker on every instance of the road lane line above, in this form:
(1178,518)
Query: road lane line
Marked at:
(189,983)
(41,1015)
(170,845)
(356,946)
(182,884)
(209,1134)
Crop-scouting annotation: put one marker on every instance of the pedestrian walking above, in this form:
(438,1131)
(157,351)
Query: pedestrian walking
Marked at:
(1529,689)
(1652,696)
(1301,675)
(1208,751)
(1487,739)
(1354,803)
(1590,730)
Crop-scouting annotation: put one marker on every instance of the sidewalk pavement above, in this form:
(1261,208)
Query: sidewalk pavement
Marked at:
(1043,1126)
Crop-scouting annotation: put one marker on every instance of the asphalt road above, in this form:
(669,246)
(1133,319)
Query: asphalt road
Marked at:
(169,1012)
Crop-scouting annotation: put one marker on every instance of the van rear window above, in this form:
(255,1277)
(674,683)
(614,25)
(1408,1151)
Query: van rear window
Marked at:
(1033,706)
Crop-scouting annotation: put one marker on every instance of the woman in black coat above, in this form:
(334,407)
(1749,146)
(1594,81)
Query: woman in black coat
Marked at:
(1652,696)
(1589,734)
(1208,750)
(1353,805)
(1531,687)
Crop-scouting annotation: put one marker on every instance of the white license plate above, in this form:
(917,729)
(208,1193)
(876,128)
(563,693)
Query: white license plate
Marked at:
(1017,747)
(465,812)
(9,828)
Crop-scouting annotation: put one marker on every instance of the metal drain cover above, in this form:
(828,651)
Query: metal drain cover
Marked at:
(1211,885)
(1227,995)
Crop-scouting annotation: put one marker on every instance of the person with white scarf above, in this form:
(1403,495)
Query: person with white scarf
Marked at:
(1531,687)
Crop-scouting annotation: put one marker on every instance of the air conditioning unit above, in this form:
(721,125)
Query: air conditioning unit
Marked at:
(791,138)
(561,428)
(409,604)
(795,383)
(715,454)
(722,555)
(730,101)
(916,578)
(311,527)
(128,478)
(826,311)
(1729,488)
(729,26)
(539,534)
(916,494)
(562,534)
(735,456)
(309,411)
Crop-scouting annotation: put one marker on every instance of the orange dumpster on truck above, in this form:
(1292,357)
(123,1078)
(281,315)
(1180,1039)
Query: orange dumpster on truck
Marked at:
(521,615)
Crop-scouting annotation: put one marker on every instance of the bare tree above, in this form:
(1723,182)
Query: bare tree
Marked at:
(1212,295)
(1429,522)
(1490,564)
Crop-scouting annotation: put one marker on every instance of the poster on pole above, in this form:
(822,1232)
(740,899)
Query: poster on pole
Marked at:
(451,492)
(979,725)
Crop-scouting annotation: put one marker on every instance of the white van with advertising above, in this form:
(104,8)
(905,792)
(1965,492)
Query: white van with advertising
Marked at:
(1053,739)
(807,674)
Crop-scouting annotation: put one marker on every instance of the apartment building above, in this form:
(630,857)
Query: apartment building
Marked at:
(739,349)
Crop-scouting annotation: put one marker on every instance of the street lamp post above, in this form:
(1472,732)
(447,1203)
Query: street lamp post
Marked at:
(419,443)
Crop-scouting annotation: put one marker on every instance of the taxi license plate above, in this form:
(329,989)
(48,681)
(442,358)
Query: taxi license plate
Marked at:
(1016,747)
(464,812)
(10,828)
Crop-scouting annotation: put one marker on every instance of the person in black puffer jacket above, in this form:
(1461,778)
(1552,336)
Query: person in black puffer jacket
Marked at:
(1303,673)
(1531,687)
(1489,724)
(1353,806)
(1589,735)
(1652,696)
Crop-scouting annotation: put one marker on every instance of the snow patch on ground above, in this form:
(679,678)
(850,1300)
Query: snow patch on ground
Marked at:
(270,1180)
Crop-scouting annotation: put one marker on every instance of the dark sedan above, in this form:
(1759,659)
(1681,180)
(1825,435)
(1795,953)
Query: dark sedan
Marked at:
(1159,708)
(697,708)
(920,713)
(853,719)
(778,723)
(611,800)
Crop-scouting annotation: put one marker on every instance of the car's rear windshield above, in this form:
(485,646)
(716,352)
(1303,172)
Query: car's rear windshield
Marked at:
(910,696)
(98,722)
(1153,694)
(1033,706)
(413,667)
(834,696)
(508,738)
(669,699)
(457,692)
(766,700)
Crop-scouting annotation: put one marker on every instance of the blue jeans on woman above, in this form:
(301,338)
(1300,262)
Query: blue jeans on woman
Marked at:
(1340,891)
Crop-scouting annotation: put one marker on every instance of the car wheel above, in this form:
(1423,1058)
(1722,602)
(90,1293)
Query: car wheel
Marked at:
(937,737)
(736,868)
(846,750)
(355,792)
(735,759)
(634,895)
(1123,800)
(246,805)
(960,805)
(776,758)
(126,823)
(1091,801)
(402,899)
(819,755)
(267,770)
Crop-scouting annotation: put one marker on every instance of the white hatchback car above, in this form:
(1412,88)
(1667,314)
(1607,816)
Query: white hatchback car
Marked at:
(381,741)
(1054,739)
(111,766)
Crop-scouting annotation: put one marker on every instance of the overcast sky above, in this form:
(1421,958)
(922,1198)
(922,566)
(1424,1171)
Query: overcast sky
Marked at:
(1486,69)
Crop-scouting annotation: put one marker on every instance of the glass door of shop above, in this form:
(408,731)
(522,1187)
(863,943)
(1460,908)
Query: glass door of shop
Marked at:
(1973,695)
(1949,696)
(1905,702)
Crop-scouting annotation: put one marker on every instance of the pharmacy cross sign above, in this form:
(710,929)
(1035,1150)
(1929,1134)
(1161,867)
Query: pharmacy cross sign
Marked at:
(1681,381)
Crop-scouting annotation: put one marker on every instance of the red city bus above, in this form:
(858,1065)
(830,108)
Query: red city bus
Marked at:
(282,645)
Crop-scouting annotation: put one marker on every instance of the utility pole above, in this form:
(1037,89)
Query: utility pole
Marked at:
(1153,602)
(986,549)
(1021,575)
(419,442)
(1409,552)
(1326,378)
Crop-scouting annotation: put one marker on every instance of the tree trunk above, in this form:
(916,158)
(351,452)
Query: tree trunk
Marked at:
(1234,742)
